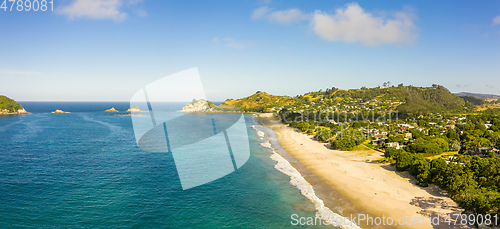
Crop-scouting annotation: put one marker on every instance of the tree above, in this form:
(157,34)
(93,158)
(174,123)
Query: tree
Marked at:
(403,161)
(420,168)
(452,134)
(481,142)
(438,167)
(424,146)
(347,142)
(323,135)
(443,144)
(455,145)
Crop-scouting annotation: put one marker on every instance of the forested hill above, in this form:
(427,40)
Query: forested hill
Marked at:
(9,106)
(433,99)
(260,101)
(405,99)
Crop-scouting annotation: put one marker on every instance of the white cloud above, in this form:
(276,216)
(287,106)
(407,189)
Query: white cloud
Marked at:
(496,20)
(230,43)
(260,12)
(97,9)
(351,24)
(354,25)
(279,16)
(287,16)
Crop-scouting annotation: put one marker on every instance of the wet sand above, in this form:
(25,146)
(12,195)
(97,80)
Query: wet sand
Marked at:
(365,187)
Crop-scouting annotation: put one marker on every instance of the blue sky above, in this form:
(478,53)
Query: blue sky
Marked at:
(105,50)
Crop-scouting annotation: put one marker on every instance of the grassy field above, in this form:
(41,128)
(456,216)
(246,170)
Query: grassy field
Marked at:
(445,154)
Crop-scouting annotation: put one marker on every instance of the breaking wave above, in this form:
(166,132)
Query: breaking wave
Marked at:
(306,189)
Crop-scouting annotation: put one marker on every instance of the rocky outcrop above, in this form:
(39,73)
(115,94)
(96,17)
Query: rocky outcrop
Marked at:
(198,106)
(7,112)
(59,111)
(134,108)
(112,110)
(206,106)
(10,107)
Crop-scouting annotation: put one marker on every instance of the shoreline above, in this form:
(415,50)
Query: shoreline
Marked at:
(17,113)
(349,184)
(298,178)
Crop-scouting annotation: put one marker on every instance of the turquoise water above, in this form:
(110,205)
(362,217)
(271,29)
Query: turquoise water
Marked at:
(84,170)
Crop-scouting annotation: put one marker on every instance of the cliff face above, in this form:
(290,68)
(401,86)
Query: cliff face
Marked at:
(206,106)
(198,106)
(8,106)
(7,112)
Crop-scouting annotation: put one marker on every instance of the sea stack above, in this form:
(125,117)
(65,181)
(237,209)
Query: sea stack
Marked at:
(112,110)
(10,107)
(204,106)
(134,108)
(59,111)
(197,106)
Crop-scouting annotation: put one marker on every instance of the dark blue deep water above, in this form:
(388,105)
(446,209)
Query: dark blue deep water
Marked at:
(84,170)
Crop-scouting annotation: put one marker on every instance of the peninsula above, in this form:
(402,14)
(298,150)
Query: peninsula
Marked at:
(10,107)
(393,150)
(202,106)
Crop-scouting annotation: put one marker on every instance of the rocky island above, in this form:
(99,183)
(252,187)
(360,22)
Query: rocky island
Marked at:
(198,106)
(134,108)
(59,111)
(112,110)
(202,105)
(10,107)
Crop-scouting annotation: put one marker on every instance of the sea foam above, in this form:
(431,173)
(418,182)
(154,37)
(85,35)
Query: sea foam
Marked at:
(259,133)
(306,189)
(266,144)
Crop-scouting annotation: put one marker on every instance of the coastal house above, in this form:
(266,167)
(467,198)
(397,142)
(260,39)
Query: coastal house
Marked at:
(371,132)
(378,140)
(407,126)
(481,150)
(408,136)
(393,145)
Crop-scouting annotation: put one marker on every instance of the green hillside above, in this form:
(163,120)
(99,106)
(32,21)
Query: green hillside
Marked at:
(260,102)
(404,99)
(430,99)
(8,105)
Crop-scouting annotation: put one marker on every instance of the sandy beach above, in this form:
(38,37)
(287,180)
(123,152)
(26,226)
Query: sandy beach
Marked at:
(368,187)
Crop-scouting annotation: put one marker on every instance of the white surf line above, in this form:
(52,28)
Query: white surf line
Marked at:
(306,189)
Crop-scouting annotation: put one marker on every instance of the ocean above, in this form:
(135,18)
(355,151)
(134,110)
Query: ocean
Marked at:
(83,169)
